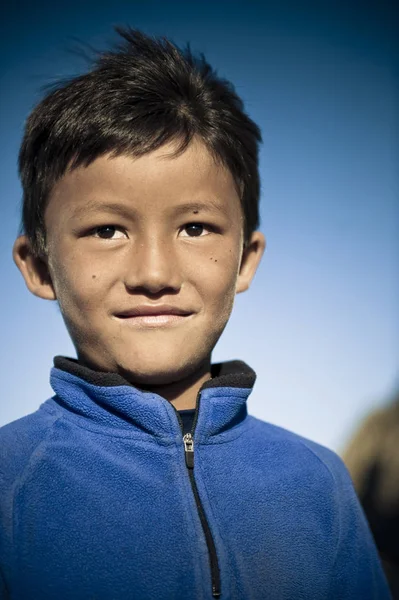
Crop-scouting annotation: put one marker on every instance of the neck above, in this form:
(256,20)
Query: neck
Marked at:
(183,393)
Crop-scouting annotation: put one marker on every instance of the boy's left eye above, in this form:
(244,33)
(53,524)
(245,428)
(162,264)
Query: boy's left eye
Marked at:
(196,230)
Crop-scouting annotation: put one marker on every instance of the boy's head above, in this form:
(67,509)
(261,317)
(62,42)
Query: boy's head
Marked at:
(141,191)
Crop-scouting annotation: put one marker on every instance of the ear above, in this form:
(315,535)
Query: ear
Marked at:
(34,270)
(251,257)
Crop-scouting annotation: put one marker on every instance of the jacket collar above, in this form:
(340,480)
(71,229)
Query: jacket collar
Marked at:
(107,399)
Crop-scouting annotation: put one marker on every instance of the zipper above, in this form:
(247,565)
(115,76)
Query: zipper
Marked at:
(188,441)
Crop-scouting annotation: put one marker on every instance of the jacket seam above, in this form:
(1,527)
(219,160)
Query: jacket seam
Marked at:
(328,469)
(22,475)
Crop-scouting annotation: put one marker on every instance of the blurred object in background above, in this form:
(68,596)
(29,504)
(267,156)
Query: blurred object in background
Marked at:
(372,458)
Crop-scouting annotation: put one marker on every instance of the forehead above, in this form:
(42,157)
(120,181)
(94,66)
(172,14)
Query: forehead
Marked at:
(156,180)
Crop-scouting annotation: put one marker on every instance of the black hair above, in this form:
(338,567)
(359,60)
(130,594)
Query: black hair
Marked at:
(139,95)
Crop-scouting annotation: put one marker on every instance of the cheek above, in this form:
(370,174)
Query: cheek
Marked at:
(78,284)
(216,283)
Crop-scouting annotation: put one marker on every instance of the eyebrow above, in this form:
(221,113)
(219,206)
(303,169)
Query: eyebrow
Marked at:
(123,210)
(110,207)
(210,205)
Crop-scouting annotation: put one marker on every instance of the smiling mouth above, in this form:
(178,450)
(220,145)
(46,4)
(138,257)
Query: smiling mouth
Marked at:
(154,320)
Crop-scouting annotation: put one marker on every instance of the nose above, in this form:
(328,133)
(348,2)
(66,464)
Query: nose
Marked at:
(153,267)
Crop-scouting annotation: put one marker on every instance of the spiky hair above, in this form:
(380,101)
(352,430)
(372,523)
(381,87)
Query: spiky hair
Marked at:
(139,95)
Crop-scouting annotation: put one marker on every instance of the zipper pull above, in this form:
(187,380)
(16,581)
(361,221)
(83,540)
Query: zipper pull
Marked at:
(189,450)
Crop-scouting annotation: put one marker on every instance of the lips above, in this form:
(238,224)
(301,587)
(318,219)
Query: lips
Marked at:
(153,316)
(153,310)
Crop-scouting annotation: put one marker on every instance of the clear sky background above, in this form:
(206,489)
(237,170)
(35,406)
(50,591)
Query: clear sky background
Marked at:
(320,323)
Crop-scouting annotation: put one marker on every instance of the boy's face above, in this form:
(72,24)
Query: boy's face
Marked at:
(173,236)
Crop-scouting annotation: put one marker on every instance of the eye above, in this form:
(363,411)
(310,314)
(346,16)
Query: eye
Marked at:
(106,232)
(196,229)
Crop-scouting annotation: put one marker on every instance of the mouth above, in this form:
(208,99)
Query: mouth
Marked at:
(161,320)
(153,316)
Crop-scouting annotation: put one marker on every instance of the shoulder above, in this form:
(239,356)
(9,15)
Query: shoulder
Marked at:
(303,455)
(20,439)
(317,477)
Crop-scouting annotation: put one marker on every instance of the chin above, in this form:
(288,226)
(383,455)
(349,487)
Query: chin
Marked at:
(164,372)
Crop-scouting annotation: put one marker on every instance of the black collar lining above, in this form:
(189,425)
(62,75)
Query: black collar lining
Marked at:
(234,373)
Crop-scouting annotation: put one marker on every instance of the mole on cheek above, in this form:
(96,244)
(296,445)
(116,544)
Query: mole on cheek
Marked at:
(94,276)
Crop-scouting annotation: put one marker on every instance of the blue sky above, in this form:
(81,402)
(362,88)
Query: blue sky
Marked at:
(320,323)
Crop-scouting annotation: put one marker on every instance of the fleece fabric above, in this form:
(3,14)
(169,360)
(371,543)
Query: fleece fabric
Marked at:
(97,501)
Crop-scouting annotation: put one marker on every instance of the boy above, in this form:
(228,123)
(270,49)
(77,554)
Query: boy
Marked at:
(143,476)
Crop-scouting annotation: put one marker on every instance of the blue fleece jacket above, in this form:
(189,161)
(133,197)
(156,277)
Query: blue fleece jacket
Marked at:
(102,500)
